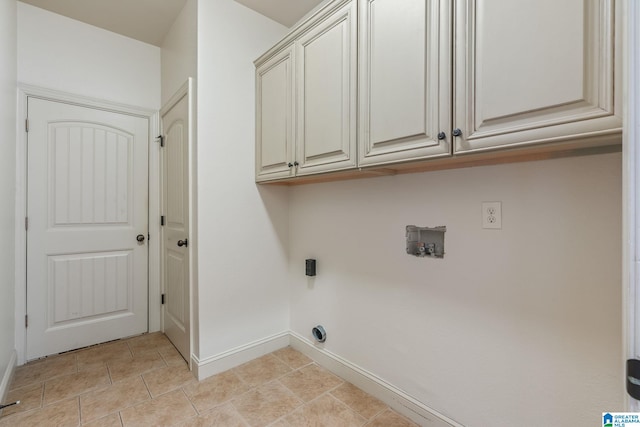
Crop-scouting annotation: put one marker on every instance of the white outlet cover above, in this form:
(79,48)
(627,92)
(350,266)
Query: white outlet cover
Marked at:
(492,215)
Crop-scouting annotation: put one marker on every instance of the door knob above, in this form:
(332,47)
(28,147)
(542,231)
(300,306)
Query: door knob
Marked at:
(140,238)
(184,243)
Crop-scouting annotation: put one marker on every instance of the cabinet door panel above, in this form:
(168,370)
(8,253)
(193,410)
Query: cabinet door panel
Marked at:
(405,80)
(274,117)
(532,71)
(326,59)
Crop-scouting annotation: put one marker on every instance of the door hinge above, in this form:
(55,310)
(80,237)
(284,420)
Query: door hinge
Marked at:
(161,219)
(26,223)
(162,299)
(161,138)
(26,320)
(26,125)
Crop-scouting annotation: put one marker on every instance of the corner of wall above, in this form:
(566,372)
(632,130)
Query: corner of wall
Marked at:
(235,357)
(7,377)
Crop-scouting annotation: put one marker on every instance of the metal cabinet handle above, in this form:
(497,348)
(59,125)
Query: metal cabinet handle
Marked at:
(442,136)
(184,243)
(456,132)
(140,238)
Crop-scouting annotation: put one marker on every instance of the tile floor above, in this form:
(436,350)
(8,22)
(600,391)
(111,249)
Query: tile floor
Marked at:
(143,381)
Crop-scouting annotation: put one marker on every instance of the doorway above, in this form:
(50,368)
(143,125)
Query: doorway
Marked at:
(176,235)
(85,189)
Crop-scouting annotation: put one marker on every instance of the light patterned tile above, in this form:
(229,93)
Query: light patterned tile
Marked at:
(172,357)
(153,386)
(72,385)
(225,415)
(111,420)
(215,390)
(310,382)
(119,396)
(167,410)
(266,404)
(262,370)
(325,411)
(98,356)
(64,413)
(162,380)
(140,363)
(390,418)
(293,358)
(30,397)
(361,402)
(146,343)
(45,369)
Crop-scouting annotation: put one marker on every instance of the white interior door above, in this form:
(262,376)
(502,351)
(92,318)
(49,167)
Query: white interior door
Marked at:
(87,202)
(175,231)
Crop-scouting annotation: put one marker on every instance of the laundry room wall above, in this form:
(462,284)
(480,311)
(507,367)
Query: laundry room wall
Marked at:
(8,44)
(56,52)
(516,326)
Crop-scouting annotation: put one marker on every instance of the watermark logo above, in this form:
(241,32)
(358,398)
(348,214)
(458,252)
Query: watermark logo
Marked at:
(620,419)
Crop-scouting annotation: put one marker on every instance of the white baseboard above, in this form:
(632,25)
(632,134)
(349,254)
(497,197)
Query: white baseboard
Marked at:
(8,377)
(237,356)
(375,386)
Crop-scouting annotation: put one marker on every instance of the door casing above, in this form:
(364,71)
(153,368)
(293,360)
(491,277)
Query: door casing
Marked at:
(153,116)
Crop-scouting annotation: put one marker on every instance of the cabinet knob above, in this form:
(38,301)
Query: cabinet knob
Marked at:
(456,132)
(296,163)
(290,165)
(442,136)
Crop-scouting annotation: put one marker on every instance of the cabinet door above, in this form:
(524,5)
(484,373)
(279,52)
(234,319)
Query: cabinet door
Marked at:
(535,71)
(404,79)
(275,117)
(326,93)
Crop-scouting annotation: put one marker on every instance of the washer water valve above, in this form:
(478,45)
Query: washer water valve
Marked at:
(425,241)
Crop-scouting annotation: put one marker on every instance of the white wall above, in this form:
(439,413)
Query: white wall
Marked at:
(631,185)
(180,50)
(64,54)
(242,228)
(7,178)
(517,326)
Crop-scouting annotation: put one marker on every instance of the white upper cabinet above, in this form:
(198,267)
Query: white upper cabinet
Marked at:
(535,71)
(379,84)
(404,79)
(326,94)
(275,117)
(306,94)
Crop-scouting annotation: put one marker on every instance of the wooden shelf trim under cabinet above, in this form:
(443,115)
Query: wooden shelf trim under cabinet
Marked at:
(585,147)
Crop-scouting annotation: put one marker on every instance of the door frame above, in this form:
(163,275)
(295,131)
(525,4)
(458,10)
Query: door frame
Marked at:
(24,92)
(631,199)
(187,89)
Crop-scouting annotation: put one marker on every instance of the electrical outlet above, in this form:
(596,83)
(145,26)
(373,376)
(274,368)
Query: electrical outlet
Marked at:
(492,215)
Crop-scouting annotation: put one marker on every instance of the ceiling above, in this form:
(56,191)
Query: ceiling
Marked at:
(150,20)
(286,12)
